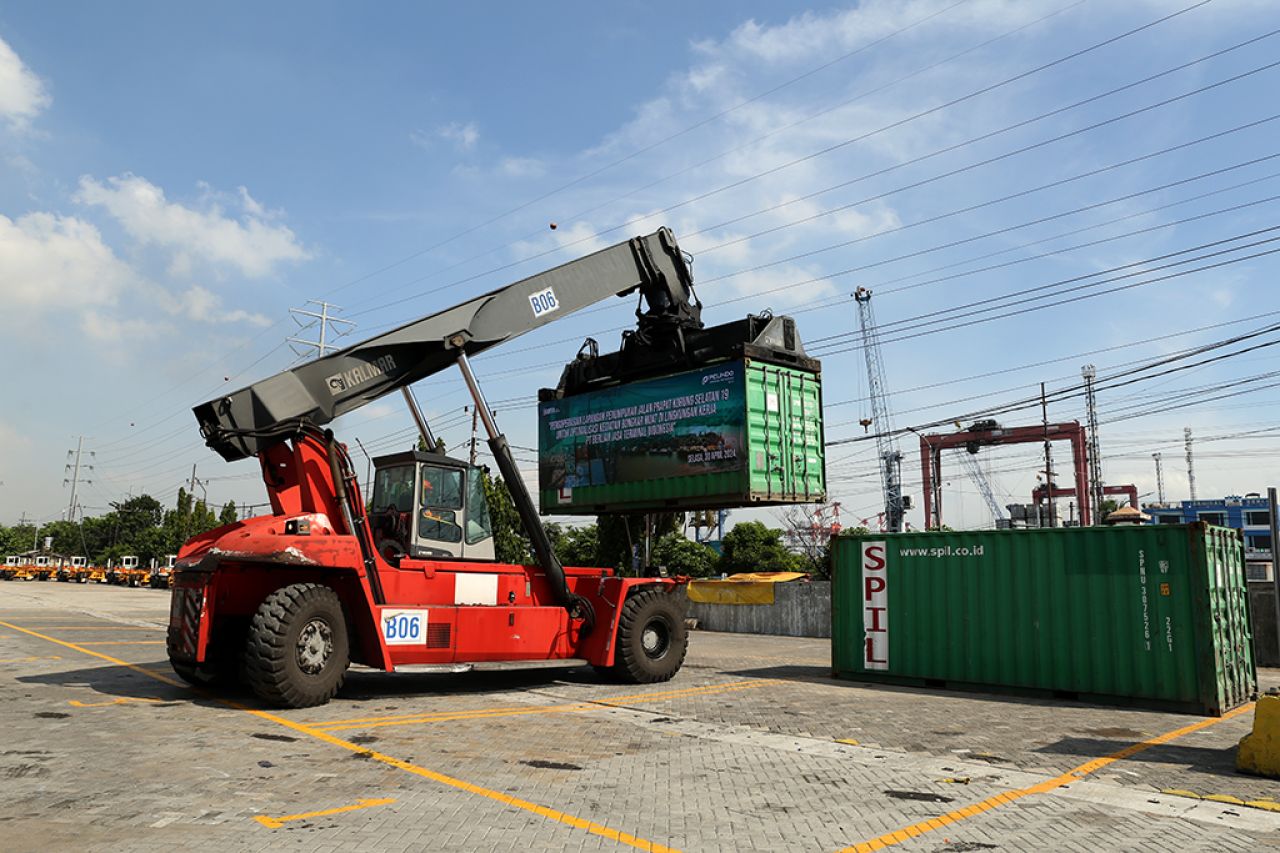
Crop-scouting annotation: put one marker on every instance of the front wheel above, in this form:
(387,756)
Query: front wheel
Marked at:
(652,637)
(297,651)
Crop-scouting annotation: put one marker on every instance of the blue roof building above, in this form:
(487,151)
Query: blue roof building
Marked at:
(1250,514)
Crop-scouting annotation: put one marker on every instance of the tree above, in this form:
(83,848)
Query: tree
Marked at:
(66,537)
(1109,506)
(510,542)
(16,539)
(682,556)
(621,536)
(575,546)
(803,532)
(228,514)
(752,547)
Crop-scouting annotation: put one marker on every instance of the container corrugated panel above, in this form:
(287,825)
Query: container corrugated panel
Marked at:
(1154,615)
(732,434)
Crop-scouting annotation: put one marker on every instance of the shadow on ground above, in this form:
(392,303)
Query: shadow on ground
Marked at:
(1220,761)
(362,685)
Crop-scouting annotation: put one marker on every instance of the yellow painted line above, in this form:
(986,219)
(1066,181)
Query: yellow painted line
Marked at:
(33,657)
(125,643)
(489,713)
(1264,804)
(497,796)
(123,700)
(1073,775)
(91,628)
(277,822)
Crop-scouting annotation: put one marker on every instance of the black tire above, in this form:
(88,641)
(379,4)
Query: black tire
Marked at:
(222,661)
(652,638)
(196,676)
(283,666)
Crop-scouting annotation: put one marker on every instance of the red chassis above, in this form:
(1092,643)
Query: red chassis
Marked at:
(432,612)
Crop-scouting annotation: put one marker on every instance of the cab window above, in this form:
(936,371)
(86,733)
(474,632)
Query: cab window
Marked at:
(393,488)
(478,524)
(440,525)
(441,487)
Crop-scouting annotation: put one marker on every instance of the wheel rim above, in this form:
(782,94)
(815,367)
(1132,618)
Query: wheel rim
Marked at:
(315,646)
(655,639)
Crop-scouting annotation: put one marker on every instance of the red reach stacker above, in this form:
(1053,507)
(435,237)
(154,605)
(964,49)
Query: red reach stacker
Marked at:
(408,580)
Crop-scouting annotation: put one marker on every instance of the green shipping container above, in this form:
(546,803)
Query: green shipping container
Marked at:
(737,433)
(1153,615)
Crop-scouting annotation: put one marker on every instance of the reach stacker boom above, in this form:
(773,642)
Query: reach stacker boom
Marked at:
(286,602)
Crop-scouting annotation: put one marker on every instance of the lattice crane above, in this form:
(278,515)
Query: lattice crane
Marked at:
(979,477)
(881,417)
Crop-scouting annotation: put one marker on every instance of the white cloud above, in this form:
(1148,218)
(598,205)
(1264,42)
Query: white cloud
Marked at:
(248,243)
(463,136)
(203,305)
(103,327)
(49,262)
(12,439)
(522,167)
(22,94)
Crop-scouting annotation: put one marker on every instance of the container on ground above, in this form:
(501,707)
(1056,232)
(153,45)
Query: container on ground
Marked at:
(737,433)
(1153,615)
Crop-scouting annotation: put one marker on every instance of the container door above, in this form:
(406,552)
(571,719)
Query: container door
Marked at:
(1239,676)
(1233,635)
(764,455)
(786,453)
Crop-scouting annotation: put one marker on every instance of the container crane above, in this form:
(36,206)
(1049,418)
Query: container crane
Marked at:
(886,444)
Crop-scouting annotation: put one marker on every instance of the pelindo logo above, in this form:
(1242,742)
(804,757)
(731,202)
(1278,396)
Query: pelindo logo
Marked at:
(875,606)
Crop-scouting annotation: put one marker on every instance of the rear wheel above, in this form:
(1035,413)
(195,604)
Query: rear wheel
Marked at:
(652,638)
(297,651)
(222,663)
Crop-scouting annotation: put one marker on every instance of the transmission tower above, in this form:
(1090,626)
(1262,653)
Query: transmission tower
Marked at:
(74,469)
(1159,478)
(886,444)
(1191,468)
(1090,373)
(324,321)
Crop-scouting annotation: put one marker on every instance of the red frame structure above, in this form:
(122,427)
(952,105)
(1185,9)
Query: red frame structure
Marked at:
(1039,493)
(932,445)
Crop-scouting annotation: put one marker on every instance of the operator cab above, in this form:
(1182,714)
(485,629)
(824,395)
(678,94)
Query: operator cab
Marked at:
(429,506)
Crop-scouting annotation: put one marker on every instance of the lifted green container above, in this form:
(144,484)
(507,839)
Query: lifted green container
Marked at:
(1153,615)
(737,433)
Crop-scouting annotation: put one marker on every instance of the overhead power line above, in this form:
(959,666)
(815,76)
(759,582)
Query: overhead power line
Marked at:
(826,150)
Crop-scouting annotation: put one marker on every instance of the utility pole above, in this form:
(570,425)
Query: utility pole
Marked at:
(1159,478)
(75,469)
(1090,373)
(474,414)
(1048,454)
(325,320)
(35,533)
(1191,469)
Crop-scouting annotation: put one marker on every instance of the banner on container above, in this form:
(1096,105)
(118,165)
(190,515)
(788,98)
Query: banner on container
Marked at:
(875,606)
(683,425)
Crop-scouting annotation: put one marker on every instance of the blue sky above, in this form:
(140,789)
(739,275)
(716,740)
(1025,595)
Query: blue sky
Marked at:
(174,178)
